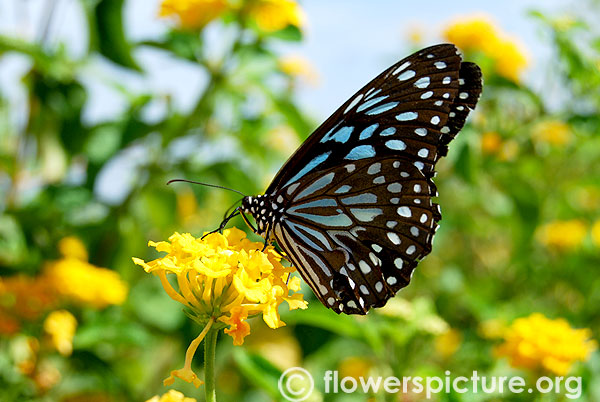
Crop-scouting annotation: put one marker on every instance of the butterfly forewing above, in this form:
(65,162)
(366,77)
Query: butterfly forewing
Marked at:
(352,207)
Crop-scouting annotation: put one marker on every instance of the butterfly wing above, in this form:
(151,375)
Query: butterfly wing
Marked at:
(354,202)
(422,100)
(357,231)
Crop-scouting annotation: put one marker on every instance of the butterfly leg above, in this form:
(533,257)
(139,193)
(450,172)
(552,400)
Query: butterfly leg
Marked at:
(235,213)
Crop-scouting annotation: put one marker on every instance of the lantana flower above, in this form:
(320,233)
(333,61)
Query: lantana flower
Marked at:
(222,280)
(538,343)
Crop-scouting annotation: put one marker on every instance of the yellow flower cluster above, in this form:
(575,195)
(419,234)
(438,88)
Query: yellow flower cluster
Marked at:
(298,66)
(171,396)
(538,343)
(78,280)
(491,142)
(223,279)
(274,15)
(479,34)
(596,233)
(553,132)
(60,325)
(448,342)
(226,277)
(269,15)
(563,235)
(193,14)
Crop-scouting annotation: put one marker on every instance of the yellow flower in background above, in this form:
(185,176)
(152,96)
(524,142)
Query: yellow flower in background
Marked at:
(24,298)
(171,396)
(510,59)
(491,142)
(448,342)
(355,367)
(283,139)
(299,67)
(596,233)
(193,14)
(509,151)
(85,283)
(71,246)
(60,325)
(473,33)
(553,132)
(493,328)
(416,33)
(274,15)
(187,206)
(478,33)
(280,347)
(563,235)
(538,343)
(223,279)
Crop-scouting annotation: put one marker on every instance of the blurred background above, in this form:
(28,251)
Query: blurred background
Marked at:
(103,101)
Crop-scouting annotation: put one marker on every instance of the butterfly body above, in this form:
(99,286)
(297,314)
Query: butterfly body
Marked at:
(352,208)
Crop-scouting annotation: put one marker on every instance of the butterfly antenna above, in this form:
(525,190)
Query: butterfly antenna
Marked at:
(205,184)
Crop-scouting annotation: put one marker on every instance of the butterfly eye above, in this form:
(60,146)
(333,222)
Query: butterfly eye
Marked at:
(352,208)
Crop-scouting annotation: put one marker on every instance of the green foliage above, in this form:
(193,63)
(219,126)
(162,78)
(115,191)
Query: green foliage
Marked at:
(488,261)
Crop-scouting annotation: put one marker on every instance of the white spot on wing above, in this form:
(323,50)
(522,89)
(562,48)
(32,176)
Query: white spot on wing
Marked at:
(364,267)
(353,103)
(405,212)
(394,238)
(423,82)
(407,116)
(401,67)
(406,75)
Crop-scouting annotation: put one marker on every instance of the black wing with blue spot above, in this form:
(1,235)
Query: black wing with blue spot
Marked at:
(353,206)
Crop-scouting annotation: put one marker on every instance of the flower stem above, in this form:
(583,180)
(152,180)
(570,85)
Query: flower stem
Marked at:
(210,344)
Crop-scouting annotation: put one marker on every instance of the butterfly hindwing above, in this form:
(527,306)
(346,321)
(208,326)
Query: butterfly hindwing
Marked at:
(361,227)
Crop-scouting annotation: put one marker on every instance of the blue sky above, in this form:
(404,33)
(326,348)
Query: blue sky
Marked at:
(348,41)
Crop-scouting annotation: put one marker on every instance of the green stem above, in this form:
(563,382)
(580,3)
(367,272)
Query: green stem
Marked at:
(210,344)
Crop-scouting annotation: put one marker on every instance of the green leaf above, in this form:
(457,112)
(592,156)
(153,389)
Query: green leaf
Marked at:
(293,116)
(318,316)
(107,32)
(464,163)
(258,370)
(290,33)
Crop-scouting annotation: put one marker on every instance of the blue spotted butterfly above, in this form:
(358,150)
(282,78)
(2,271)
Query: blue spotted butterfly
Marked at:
(352,208)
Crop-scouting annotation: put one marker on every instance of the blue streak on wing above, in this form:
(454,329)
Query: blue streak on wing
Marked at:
(299,228)
(320,203)
(298,231)
(309,166)
(340,220)
(342,135)
(365,198)
(343,189)
(366,214)
(368,132)
(316,186)
(382,108)
(388,131)
(370,103)
(361,152)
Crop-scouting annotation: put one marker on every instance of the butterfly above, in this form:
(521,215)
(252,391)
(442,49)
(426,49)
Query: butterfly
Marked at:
(352,207)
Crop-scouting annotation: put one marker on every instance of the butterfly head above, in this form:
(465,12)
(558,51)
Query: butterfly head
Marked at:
(262,208)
